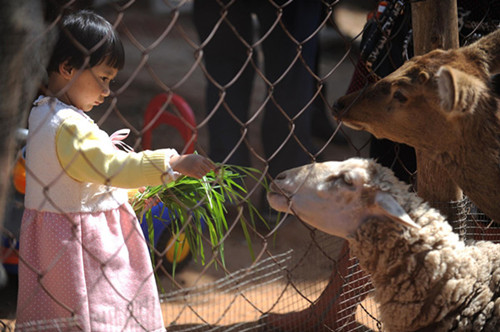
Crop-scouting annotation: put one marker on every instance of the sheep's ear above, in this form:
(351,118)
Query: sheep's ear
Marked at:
(458,91)
(388,206)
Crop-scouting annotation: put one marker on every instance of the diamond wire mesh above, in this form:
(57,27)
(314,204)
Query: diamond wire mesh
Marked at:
(315,286)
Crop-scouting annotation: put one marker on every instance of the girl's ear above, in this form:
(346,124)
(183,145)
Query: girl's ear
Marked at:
(66,70)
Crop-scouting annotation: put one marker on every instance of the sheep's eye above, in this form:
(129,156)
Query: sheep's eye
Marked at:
(399,96)
(347,179)
(340,179)
(331,178)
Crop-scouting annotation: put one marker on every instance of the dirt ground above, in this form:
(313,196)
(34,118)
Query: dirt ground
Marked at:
(268,289)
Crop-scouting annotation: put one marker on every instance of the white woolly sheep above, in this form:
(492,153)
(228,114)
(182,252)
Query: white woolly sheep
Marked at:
(425,277)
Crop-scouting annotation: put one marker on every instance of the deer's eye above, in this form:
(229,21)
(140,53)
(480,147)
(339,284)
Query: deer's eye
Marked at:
(399,96)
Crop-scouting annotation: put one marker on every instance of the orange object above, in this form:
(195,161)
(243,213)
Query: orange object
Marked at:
(157,113)
(177,251)
(19,175)
(382,6)
(9,256)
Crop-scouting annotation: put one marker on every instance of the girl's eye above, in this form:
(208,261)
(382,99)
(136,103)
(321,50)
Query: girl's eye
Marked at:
(399,96)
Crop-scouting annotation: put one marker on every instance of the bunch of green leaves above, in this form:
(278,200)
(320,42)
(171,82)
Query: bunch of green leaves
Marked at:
(195,204)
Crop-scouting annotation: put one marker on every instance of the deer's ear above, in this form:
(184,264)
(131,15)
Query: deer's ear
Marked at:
(446,88)
(388,206)
(458,91)
(487,49)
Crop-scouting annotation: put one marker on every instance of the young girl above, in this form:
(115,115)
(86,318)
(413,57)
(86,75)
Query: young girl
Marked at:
(84,261)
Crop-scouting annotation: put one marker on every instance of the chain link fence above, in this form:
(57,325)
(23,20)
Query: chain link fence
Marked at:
(251,83)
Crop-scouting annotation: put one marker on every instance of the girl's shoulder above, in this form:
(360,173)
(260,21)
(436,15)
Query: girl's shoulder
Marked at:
(52,102)
(50,107)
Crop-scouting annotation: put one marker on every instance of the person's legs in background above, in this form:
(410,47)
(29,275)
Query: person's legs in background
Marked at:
(293,85)
(229,84)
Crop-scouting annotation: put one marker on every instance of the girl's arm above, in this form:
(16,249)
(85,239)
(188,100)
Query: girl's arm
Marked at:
(88,155)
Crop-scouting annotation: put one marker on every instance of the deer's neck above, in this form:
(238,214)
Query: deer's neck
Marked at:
(473,162)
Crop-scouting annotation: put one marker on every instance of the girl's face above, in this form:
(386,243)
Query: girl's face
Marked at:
(89,88)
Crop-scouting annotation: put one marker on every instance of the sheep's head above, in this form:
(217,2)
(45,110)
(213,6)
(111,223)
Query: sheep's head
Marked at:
(337,197)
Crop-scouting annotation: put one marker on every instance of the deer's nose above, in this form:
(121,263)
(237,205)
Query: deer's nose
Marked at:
(338,108)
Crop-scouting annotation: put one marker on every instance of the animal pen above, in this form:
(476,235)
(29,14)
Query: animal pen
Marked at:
(283,276)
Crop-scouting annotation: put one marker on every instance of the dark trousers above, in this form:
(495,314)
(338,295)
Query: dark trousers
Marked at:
(230,57)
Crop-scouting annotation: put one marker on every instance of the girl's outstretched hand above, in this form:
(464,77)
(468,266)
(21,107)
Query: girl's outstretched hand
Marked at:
(193,165)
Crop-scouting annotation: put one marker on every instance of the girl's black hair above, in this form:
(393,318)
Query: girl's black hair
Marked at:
(85,34)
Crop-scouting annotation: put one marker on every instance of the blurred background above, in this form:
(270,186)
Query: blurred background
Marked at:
(259,78)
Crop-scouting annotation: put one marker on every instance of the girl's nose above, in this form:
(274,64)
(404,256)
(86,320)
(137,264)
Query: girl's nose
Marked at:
(106,91)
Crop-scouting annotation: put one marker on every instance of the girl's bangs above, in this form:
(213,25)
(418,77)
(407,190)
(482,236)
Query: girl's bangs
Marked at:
(114,56)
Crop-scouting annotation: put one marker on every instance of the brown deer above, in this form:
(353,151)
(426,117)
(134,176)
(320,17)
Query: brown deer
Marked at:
(444,104)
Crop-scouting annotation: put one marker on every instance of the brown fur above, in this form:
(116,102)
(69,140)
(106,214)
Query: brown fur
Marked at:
(442,103)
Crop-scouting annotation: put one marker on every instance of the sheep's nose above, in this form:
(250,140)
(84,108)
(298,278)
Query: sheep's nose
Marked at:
(281,176)
(277,182)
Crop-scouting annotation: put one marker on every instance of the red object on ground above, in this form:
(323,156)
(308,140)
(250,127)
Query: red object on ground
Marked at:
(157,113)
